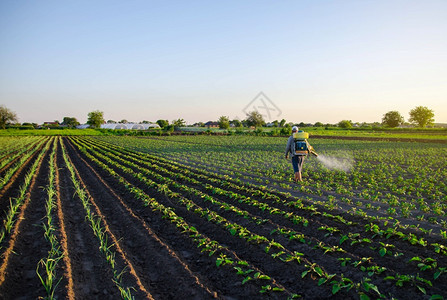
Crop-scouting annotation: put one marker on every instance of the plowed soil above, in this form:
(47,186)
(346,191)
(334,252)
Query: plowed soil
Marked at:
(162,262)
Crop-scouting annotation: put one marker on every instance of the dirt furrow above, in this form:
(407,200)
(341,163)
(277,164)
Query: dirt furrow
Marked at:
(90,273)
(94,198)
(155,261)
(61,220)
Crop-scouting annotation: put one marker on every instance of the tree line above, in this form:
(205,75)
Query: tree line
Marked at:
(420,116)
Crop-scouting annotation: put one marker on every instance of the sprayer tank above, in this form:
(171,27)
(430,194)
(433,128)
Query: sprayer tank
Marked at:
(301,135)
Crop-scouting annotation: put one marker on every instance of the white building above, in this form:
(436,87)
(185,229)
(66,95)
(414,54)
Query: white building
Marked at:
(123,126)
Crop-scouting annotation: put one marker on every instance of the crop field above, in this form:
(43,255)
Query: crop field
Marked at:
(219,217)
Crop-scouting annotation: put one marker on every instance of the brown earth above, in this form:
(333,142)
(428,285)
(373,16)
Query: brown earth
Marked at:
(161,262)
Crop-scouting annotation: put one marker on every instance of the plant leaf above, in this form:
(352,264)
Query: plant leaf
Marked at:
(422,290)
(319,271)
(364,297)
(335,289)
(343,238)
(246,279)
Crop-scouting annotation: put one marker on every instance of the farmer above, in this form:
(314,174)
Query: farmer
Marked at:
(298,157)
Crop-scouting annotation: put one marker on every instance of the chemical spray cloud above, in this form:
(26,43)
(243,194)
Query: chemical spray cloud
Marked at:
(335,163)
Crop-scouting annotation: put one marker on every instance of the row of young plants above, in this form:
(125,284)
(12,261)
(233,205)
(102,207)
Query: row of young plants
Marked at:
(9,153)
(387,196)
(16,203)
(418,281)
(387,231)
(406,171)
(24,156)
(224,256)
(385,156)
(46,268)
(258,160)
(98,228)
(11,143)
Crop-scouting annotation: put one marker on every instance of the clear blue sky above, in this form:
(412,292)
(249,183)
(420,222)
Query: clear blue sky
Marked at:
(197,60)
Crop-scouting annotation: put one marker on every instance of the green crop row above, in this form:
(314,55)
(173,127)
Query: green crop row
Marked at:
(16,203)
(48,276)
(98,229)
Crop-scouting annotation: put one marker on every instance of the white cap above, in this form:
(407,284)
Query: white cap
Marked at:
(294,128)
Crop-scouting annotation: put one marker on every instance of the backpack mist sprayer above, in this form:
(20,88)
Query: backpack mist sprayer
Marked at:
(302,147)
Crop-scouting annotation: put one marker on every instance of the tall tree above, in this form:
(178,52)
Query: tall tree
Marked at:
(345,124)
(178,123)
(236,123)
(392,119)
(224,122)
(255,119)
(6,116)
(162,123)
(95,119)
(422,116)
(282,123)
(70,122)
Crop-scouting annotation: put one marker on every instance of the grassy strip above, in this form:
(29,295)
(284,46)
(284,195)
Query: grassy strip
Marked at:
(50,132)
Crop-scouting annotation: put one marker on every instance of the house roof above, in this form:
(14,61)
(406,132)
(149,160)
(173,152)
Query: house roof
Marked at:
(210,123)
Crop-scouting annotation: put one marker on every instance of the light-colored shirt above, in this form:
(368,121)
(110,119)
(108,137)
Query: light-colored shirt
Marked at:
(290,148)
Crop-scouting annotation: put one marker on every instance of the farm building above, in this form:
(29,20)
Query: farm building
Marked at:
(130,126)
(211,124)
(124,126)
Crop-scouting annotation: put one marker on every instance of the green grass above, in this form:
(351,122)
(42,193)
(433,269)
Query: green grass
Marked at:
(434,134)
(391,133)
(49,132)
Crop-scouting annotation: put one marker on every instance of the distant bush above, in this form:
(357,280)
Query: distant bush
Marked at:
(286,131)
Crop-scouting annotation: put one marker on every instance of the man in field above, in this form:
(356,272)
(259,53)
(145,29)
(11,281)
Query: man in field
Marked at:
(298,156)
